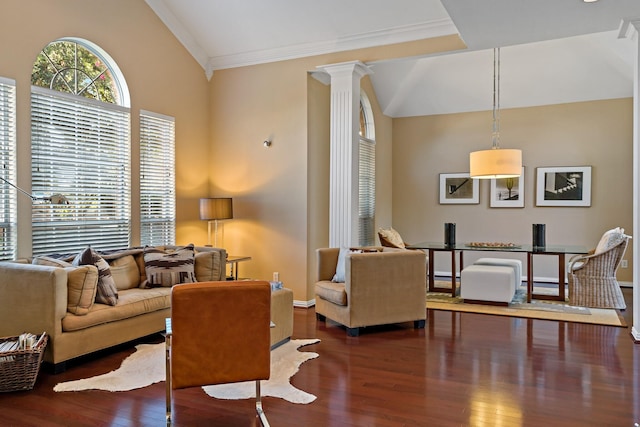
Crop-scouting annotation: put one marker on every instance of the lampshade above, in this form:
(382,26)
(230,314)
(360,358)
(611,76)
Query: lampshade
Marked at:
(495,163)
(216,208)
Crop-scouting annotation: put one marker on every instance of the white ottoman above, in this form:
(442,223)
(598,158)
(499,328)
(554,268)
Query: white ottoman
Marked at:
(493,284)
(516,264)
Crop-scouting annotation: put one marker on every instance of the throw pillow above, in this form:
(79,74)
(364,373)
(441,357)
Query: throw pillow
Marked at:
(610,239)
(125,273)
(107,293)
(339,277)
(169,268)
(392,237)
(82,285)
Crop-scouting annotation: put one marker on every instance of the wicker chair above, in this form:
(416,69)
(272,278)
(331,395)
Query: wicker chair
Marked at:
(592,277)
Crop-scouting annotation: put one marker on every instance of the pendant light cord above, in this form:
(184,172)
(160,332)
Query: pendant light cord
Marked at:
(495,136)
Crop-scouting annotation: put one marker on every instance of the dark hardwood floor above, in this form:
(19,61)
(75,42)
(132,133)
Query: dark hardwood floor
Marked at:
(461,370)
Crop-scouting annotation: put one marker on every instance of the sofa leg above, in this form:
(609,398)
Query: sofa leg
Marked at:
(353,332)
(419,324)
(321,317)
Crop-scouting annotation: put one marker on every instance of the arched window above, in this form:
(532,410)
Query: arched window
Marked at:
(366,174)
(80,147)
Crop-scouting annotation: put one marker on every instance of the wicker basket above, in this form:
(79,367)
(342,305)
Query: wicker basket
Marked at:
(19,368)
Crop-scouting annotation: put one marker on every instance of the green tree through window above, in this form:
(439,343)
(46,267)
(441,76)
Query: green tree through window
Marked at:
(67,66)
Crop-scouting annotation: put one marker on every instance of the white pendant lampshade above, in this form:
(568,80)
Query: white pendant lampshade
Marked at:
(496,162)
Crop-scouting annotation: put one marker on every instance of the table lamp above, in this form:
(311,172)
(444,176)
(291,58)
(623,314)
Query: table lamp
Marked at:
(214,210)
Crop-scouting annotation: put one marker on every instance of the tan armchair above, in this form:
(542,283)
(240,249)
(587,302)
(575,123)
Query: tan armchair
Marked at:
(379,288)
(219,333)
(592,277)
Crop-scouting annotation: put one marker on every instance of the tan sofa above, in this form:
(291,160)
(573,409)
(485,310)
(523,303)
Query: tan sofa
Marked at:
(34,298)
(382,287)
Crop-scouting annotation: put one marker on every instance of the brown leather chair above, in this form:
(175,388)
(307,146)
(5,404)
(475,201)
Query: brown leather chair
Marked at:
(219,332)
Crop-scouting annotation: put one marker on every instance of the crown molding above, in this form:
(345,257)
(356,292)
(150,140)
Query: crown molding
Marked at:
(629,28)
(402,34)
(180,32)
(389,36)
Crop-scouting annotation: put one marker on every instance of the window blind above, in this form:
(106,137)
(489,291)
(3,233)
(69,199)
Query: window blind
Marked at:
(367,192)
(79,148)
(157,179)
(8,195)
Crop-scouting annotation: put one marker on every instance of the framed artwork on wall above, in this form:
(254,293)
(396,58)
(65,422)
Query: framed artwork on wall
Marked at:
(458,188)
(507,192)
(563,186)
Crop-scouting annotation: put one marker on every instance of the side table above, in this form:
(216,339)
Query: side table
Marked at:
(233,261)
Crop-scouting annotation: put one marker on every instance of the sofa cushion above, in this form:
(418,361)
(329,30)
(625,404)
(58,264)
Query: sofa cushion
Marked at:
(52,262)
(208,266)
(125,273)
(132,302)
(332,292)
(169,268)
(107,292)
(82,284)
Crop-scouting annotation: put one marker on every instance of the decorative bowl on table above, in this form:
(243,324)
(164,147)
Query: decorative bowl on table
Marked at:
(493,245)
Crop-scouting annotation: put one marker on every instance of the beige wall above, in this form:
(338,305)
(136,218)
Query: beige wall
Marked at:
(281,198)
(161,75)
(598,134)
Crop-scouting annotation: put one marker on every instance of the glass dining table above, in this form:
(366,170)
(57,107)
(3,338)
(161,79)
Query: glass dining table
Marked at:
(555,250)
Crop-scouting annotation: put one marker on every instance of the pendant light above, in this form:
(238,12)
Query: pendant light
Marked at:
(495,162)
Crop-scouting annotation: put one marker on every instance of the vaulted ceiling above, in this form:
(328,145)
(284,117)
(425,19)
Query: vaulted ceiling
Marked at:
(551,51)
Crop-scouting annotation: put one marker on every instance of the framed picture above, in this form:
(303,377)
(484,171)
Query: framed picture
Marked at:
(507,192)
(563,186)
(458,188)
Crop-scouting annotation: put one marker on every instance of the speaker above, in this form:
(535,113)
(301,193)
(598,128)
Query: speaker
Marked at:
(539,240)
(450,233)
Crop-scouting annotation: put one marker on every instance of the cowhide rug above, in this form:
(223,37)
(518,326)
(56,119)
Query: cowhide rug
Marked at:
(147,366)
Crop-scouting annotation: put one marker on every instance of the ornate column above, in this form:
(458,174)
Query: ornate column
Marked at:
(344,151)
(629,29)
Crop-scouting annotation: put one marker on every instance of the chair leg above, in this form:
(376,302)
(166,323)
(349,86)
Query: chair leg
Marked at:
(259,410)
(353,332)
(168,377)
(419,324)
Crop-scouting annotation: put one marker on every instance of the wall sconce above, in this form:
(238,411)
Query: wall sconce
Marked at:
(266,143)
(215,209)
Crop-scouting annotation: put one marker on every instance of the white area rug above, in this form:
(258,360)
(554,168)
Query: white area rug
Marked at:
(147,366)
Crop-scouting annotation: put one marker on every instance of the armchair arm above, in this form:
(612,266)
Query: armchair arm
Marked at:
(601,264)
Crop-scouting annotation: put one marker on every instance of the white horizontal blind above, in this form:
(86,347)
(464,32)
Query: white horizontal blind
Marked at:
(367,192)
(80,148)
(157,179)
(8,195)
